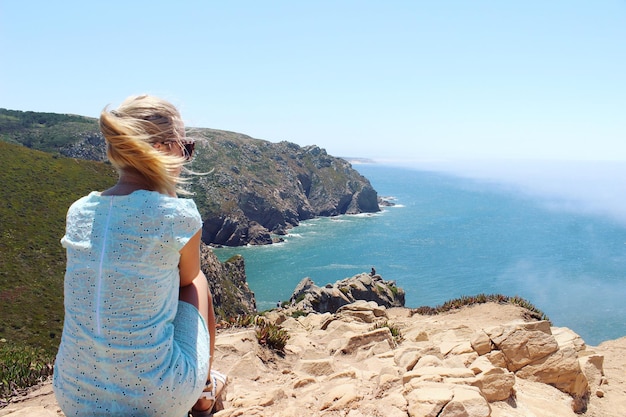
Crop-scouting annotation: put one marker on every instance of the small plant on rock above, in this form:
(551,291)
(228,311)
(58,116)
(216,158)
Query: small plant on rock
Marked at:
(246,320)
(395,330)
(271,335)
(299,313)
(22,367)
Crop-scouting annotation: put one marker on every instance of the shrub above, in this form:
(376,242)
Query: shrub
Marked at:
(267,333)
(271,335)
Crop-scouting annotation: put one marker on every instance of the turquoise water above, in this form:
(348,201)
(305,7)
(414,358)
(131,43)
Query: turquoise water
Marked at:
(450,236)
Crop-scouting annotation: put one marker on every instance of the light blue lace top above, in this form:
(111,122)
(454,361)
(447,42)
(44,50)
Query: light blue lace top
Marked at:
(123,350)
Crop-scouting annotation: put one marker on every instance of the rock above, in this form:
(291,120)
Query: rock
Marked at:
(533,353)
(497,358)
(428,400)
(495,384)
(360,305)
(466,402)
(591,365)
(361,341)
(339,397)
(362,287)
(561,370)
(228,284)
(436,373)
(481,343)
(523,343)
(447,400)
(406,357)
(567,337)
(316,367)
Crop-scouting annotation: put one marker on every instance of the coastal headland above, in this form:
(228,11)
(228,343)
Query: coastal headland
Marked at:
(359,359)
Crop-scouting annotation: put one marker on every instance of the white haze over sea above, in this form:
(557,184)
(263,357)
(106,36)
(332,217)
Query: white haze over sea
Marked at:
(585,187)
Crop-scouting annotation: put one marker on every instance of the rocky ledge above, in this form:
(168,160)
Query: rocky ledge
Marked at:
(328,299)
(366,360)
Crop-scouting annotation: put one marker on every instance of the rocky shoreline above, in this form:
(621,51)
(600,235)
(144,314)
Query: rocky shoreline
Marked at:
(485,360)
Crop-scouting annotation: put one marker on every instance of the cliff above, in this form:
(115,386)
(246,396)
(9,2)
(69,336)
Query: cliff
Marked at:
(483,360)
(228,285)
(256,189)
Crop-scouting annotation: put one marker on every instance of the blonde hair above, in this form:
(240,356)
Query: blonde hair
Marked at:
(131,131)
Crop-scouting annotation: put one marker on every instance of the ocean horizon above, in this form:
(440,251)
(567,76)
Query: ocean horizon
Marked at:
(552,233)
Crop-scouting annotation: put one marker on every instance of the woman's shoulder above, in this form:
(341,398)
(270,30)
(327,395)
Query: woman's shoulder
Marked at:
(85,200)
(171,205)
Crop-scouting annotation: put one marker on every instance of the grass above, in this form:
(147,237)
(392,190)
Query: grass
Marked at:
(457,303)
(37,189)
(299,313)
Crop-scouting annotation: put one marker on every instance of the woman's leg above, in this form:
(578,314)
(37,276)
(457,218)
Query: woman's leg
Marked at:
(198,294)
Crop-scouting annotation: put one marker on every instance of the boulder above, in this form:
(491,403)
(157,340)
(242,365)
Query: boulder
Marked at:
(532,352)
(562,370)
(523,343)
(309,297)
(495,384)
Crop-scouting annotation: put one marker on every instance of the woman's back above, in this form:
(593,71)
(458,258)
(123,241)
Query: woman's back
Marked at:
(121,288)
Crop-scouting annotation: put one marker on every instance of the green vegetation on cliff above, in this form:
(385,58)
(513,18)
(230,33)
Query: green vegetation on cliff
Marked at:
(48,132)
(37,189)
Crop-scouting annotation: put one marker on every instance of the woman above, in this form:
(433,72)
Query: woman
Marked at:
(139,329)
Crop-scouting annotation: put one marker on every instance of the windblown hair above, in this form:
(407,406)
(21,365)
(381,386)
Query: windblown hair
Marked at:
(130,132)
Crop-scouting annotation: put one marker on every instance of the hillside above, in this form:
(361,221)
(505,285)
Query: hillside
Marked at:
(49,132)
(254,189)
(37,188)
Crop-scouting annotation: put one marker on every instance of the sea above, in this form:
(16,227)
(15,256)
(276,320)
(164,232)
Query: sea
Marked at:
(551,232)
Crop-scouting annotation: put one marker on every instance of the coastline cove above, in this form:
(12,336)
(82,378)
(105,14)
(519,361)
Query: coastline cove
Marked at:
(450,236)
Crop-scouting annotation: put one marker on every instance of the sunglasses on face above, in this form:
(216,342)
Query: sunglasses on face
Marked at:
(187,147)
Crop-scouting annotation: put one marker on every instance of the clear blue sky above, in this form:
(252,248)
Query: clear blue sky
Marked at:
(384,79)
